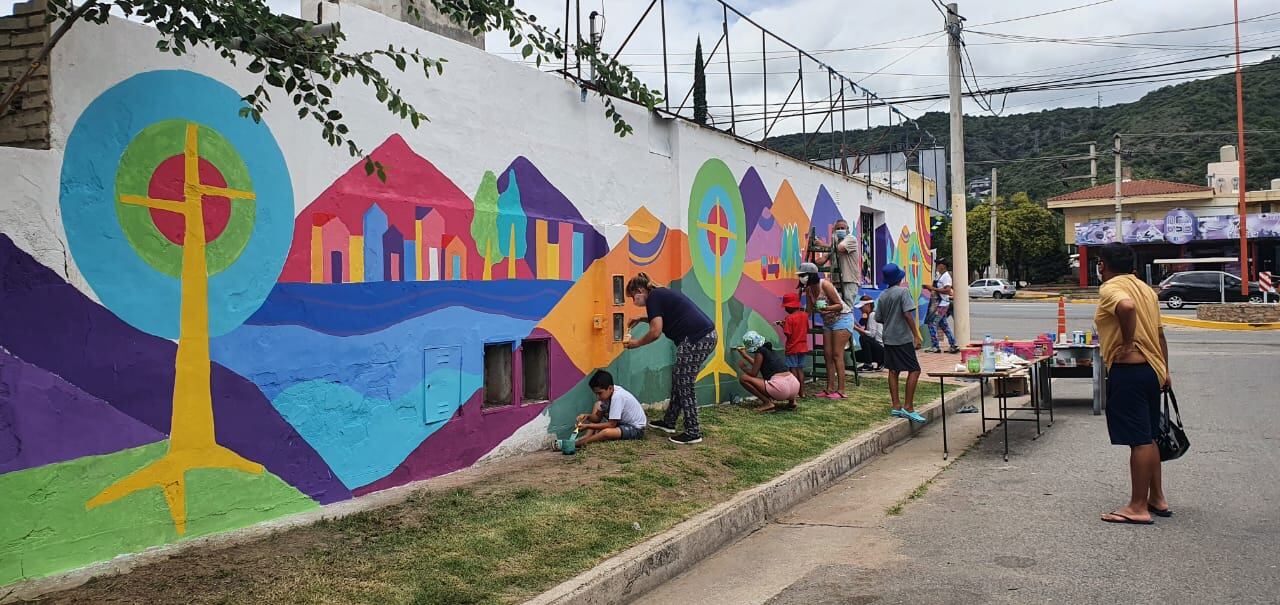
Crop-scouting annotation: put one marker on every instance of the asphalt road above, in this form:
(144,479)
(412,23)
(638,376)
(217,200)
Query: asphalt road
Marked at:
(1027,531)
(1024,320)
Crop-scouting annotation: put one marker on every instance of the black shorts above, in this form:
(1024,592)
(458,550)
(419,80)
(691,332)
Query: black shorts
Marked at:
(901,358)
(1133,404)
(631,432)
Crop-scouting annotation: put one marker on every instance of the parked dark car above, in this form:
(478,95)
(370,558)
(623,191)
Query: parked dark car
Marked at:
(1189,287)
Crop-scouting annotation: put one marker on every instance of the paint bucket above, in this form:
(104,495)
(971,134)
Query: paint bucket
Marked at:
(567,446)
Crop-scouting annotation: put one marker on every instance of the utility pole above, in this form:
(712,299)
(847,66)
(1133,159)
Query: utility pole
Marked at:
(1245,274)
(1093,165)
(1119,220)
(959,222)
(994,206)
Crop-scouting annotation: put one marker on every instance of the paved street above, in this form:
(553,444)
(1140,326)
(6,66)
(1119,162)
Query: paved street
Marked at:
(1027,531)
(1023,320)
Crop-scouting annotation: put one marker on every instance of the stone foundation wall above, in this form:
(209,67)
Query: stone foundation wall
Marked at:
(26,123)
(1240,313)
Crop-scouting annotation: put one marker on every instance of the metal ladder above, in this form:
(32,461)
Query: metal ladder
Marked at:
(818,363)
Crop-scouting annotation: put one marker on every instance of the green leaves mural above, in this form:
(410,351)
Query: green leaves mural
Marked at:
(484,225)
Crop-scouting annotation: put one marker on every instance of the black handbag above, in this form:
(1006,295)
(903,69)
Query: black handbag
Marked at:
(1170,437)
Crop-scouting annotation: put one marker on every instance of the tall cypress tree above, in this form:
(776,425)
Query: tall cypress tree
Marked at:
(699,86)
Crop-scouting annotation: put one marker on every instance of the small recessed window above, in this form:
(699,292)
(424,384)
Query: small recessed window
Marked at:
(497,374)
(536,361)
(619,327)
(619,296)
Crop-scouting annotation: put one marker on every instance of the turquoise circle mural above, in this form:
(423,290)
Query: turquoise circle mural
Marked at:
(717,230)
(130,164)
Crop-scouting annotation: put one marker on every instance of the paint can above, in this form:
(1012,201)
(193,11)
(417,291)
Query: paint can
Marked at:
(567,447)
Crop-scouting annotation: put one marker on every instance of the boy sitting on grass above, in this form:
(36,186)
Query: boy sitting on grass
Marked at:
(616,415)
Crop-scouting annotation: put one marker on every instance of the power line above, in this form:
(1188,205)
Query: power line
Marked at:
(899,59)
(1041,14)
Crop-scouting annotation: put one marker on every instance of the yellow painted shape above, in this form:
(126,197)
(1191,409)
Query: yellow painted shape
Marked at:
(355,258)
(488,266)
(418,250)
(317,250)
(540,236)
(553,262)
(717,365)
(191,435)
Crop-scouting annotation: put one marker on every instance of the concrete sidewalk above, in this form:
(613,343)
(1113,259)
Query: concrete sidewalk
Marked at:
(844,524)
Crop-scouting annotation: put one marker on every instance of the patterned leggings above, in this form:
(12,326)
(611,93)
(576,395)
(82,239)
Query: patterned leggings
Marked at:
(939,320)
(690,355)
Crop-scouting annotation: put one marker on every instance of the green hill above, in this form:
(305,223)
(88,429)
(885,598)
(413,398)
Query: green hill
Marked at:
(1200,106)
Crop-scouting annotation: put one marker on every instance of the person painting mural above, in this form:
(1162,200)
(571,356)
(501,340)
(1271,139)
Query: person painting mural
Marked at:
(837,323)
(670,313)
(844,254)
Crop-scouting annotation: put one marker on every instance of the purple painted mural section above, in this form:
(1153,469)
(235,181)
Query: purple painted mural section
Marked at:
(44,419)
(48,323)
(883,252)
(541,200)
(755,198)
(825,213)
(474,432)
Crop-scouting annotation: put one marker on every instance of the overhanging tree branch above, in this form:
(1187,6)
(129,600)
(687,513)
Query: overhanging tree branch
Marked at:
(6,103)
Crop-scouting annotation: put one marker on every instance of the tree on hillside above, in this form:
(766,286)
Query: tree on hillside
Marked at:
(699,85)
(303,60)
(1028,239)
(484,224)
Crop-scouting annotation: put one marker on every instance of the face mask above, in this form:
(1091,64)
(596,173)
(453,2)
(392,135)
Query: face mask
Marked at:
(841,233)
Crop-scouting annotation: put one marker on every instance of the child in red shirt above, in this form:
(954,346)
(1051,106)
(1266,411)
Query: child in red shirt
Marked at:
(795,329)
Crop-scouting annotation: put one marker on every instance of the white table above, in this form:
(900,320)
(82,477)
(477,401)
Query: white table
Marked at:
(1082,361)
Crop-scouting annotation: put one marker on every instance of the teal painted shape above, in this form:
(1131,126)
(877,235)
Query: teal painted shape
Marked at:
(511,215)
(364,438)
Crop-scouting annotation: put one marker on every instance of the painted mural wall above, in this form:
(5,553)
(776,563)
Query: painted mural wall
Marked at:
(208,322)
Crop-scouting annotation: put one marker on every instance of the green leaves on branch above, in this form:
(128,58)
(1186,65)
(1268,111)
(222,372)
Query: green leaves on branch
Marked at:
(304,60)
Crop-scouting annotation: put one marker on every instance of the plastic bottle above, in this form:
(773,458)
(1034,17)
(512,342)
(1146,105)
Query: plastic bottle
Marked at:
(988,354)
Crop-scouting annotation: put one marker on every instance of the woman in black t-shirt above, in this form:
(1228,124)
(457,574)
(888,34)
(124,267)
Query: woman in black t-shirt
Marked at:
(673,315)
(766,376)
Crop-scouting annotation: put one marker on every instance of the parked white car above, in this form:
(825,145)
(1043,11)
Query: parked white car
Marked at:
(992,288)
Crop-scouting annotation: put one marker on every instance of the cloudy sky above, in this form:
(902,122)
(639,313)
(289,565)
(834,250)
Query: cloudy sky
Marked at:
(897,49)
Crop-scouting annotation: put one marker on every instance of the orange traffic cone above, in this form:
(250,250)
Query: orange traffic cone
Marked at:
(1062,314)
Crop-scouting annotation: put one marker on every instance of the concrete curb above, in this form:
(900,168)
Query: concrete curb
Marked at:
(641,568)
(1216,325)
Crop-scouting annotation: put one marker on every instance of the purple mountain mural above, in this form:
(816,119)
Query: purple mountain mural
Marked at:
(766,239)
(44,419)
(825,213)
(541,200)
(755,198)
(48,323)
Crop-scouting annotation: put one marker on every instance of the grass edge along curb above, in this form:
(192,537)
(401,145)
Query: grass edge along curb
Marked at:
(1189,322)
(641,568)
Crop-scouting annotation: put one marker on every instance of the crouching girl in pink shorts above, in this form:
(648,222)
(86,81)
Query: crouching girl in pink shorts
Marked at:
(765,374)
